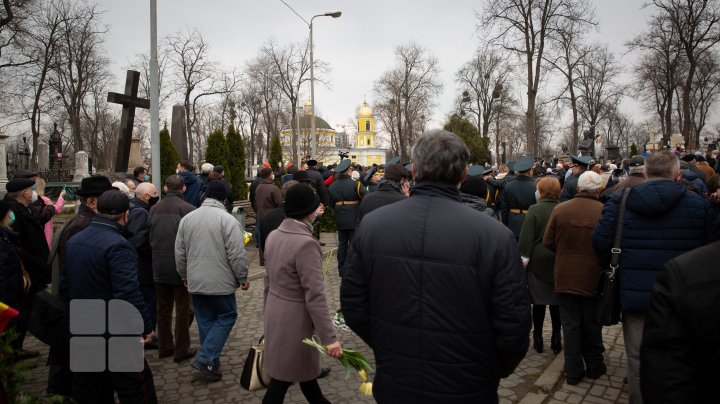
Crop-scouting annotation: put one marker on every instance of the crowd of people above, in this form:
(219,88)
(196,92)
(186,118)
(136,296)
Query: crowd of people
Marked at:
(445,269)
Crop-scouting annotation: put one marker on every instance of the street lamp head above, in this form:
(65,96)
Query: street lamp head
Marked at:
(334,14)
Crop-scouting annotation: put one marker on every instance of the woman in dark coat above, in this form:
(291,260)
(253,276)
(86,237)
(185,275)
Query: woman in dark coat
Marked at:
(539,262)
(295,303)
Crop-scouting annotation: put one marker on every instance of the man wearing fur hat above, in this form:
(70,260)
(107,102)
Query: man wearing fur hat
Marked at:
(210,258)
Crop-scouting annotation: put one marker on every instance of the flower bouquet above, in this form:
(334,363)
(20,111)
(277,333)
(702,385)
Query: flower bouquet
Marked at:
(349,359)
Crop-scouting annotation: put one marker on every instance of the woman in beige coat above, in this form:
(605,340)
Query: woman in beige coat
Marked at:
(295,304)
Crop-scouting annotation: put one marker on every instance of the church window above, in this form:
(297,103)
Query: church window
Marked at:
(367,126)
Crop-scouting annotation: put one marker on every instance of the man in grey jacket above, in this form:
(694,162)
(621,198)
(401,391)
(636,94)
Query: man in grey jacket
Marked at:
(211,260)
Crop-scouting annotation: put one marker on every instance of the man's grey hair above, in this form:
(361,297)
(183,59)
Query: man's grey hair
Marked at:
(206,168)
(174,183)
(439,155)
(662,164)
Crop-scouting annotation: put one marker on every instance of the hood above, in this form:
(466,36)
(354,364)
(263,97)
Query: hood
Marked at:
(689,175)
(655,197)
(188,177)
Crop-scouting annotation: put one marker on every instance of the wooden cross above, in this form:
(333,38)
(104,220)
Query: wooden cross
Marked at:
(129,101)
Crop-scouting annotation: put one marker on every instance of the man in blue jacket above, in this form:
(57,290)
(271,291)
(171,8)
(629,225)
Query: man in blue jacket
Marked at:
(662,220)
(193,184)
(443,301)
(100,263)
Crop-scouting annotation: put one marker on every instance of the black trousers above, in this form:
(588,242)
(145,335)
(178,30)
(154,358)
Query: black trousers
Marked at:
(98,388)
(277,389)
(582,335)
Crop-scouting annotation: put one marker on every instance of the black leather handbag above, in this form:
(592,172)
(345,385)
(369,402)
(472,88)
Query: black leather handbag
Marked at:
(608,287)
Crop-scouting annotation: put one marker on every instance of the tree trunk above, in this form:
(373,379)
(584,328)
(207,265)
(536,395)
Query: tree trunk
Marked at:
(687,118)
(188,126)
(575,124)
(530,122)
(668,117)
(295,139)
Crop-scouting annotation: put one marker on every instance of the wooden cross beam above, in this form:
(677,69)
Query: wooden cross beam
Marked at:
(129,101)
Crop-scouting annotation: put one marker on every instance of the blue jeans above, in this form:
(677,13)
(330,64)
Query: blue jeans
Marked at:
(215,316)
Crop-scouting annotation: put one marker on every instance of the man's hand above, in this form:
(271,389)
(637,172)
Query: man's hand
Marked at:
(245,286)
(62,193)
(146,339)
(335,350)
(185,283)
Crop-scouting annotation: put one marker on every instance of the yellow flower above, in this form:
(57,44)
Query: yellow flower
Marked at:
(366,389)
(363,375)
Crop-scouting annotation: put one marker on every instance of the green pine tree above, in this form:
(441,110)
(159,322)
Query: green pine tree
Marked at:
(478,146)
(633,150)
(236,165)
(275,155)
(168,155)
(217,152)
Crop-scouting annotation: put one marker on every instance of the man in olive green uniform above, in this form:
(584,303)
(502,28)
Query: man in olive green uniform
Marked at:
(345,195)
(518,196)
(579,165)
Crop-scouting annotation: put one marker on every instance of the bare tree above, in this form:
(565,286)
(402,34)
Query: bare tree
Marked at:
(259,72)
(290,69)
(705,91)
(565,57)
(13,28)
(79,61)
(658,72)
(141,63)
(483,78)
(524,27)
(697,23)
(194,77)
(406,94)
(599,90)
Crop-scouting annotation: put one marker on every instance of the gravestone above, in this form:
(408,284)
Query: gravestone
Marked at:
(43,156)
(129,101)
(24,154)
(178,131)
(81,166)
(3,164)
(136,159)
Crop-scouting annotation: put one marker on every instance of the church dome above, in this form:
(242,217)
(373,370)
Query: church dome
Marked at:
(365,111)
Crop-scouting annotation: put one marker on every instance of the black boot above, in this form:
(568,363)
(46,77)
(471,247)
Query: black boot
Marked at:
(538,341)
(556,342)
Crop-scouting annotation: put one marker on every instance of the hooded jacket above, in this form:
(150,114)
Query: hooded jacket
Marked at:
(193,186)
(662,221)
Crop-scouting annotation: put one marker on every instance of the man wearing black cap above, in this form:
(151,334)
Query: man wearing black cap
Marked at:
(40,210)
(372,179)
(220,170)
(100,263)
(636,176)
(316,176)
(579,165)
(34,250)
(518,196)
(211,260)
(345,196)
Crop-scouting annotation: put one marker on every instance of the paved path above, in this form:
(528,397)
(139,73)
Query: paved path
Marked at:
(176,383)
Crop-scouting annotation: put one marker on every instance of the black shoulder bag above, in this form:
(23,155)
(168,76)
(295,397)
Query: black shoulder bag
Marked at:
(608,288)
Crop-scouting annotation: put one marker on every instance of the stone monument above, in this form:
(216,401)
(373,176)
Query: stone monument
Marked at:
(3,164)
(81,166)
(178,131)
(136,159)
(129,101)
(43,156)
(56,156)
(587,144)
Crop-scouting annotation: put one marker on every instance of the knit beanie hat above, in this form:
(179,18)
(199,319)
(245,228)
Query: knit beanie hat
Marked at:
(216,190)
(300,201)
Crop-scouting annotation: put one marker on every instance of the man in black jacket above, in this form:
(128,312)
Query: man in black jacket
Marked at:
(518,196)
(164,221)
(138,226)
(34,251)
(680,351)
(442,301)
(393,187)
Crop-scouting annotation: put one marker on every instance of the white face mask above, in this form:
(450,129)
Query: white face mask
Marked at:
(34,196)
(177,171)
(131,195)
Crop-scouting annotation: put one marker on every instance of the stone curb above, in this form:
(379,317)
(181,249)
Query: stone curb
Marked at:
(550,377)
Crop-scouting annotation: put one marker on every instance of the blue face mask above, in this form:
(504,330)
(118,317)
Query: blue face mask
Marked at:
(537,196)
(34,187)
(12,217)
(146,178)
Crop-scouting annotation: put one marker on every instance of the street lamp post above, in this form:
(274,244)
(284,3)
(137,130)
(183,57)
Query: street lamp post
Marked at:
(313,134)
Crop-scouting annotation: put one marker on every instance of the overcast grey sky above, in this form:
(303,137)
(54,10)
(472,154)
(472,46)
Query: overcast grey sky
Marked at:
(359,45)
